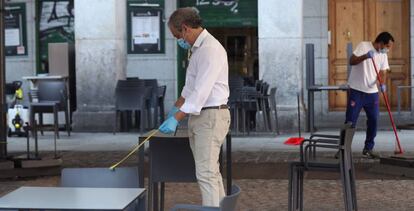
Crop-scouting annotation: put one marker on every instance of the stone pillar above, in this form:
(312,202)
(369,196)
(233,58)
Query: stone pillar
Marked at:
(100,38)
(280,27)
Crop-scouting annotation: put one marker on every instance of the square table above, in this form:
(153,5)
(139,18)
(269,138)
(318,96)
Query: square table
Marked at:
(72,198)
(171,160)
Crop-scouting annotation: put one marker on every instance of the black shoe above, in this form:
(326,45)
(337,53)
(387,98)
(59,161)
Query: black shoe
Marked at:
(370,154)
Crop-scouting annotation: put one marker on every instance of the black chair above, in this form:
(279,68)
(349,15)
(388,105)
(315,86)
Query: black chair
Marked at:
(228,203)
(52,97)
(273,110)
(153,102)
(126,116)
(236,84)
(249,103)
(130,99)
(263,89)
(343,165)
(161,97)
(123,177)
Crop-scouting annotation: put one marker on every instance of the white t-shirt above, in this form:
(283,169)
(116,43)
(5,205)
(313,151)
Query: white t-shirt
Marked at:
(363,77)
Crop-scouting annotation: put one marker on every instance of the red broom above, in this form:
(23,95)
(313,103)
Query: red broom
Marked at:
(400,150)
(296,140)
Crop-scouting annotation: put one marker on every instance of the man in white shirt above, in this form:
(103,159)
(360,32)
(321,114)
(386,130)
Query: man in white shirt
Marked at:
(204,97)
(362,81)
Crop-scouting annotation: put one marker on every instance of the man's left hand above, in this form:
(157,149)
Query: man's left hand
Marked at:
(169,125)
(383,87)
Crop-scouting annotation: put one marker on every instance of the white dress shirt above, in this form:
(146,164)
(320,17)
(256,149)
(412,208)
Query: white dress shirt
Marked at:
(206,82)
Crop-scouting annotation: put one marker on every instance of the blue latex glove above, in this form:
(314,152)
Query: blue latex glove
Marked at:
(370,54)
(169,126)
(172,112)
(383,87)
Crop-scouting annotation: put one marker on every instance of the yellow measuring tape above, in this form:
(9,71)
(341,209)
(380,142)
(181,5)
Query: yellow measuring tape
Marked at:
(132,151)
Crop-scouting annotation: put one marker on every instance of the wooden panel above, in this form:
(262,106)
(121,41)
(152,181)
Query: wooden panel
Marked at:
(339,77)
(393,16)
(347,14)
(343,14)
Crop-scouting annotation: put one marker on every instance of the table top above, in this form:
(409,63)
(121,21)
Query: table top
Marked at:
(44,77)
(181,133)
(70,198)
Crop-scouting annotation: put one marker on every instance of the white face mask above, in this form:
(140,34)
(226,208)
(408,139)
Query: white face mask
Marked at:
(183,44)
(384,50)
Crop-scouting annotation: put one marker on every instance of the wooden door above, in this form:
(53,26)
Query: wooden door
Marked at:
(362,20)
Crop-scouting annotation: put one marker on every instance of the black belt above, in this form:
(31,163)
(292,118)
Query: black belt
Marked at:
(216,107)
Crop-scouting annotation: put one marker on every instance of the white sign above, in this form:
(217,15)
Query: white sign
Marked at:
(12,37)
(146,29)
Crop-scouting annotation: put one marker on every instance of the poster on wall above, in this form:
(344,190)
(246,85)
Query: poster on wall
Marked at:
(56,24)
(15,29)
(145,31)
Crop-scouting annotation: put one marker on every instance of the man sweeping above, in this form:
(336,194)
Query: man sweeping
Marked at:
(363,85)
(204,97)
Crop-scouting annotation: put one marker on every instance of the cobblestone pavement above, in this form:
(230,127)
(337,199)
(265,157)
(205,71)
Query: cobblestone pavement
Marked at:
(257,194)
(263,195)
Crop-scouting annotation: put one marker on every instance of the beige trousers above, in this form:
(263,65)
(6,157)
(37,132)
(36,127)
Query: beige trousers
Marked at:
(207,133)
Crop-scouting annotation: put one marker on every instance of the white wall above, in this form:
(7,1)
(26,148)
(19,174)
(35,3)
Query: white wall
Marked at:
(280,27)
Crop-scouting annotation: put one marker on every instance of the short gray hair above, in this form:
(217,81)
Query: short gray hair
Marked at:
(187,15)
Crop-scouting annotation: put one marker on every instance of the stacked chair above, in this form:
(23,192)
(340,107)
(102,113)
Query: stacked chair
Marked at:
(131,96)
(244,101)
(144,98)
(309,161)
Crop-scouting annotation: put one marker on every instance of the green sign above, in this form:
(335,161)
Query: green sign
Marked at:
(55,25)
(225,13)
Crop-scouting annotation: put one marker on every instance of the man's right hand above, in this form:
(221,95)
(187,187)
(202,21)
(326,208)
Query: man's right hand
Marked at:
(370,54)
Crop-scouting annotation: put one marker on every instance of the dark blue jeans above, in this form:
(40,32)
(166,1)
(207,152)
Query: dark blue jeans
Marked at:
(369,101)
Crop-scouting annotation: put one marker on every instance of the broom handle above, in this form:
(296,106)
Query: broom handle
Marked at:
(388,107)
(298,115)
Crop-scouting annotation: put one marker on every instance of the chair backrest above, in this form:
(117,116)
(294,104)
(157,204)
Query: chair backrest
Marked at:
(272,96)
(236,84)
(130,83)
(130,98)
(249,92)
(346,137)
(265,88)
(228,203)
(153,85)
(161,91)
(124,177)
(132,78)
(52,90)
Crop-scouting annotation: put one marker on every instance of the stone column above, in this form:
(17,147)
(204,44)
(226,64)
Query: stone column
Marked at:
(280,27)
(100,38)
